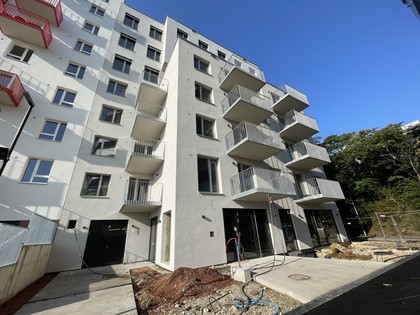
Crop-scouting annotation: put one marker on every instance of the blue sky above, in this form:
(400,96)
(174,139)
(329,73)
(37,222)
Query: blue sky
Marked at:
(357,61)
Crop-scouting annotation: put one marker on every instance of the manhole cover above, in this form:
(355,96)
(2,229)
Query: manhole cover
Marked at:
(299,276)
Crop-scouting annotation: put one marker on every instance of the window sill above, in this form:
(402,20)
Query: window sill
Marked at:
(208,193)
(204,101)
(95,197)
(33,183)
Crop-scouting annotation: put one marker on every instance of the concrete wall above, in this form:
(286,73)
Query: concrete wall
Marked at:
(30,267)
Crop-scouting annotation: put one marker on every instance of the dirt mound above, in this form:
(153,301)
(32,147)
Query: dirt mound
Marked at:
(154,289)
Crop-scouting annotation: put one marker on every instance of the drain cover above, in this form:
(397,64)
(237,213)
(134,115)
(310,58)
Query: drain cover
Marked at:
(299,276)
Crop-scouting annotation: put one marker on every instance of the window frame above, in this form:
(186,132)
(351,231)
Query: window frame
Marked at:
(82,45)
(221,55)
(182,34)
(79,73)
(153,31)
(201,129)
(99,188)
(94,9)
(125,63)
(153,53)
(212,170)
(101,141)
(134,21)
(127,39)
(203,45)
(93,31)
(31,171)
(198,62)
(114,114)
(117,84)
(57,135)
(62,101)
(200,87)
(149,73)
(24,57)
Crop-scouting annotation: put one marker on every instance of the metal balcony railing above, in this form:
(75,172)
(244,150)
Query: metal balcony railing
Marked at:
(306,148)
(240,92)
(252,132)
(156,80)
(148,148)
(293,116)
(237,62)
(140,192)
(11,84)
(265,180)
(320,187)
(151,111)
(29,19)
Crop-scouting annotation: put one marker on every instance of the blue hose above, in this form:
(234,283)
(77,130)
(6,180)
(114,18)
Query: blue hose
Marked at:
(242,304)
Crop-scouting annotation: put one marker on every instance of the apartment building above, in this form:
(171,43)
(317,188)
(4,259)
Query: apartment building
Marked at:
(150,141)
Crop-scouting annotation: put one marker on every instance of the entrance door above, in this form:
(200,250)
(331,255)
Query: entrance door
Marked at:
(106,242)
(322,227)
(153,236)
(288,229)
(252,228)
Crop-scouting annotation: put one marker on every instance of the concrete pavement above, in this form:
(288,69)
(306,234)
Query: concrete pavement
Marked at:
(313,281)
(84,292)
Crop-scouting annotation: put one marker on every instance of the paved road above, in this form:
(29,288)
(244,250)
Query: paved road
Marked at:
(395,292)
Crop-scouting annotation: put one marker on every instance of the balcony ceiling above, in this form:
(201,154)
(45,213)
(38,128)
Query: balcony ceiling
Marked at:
(238,76)
(242,110)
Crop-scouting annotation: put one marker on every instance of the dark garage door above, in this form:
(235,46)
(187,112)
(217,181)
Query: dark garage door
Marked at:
(106,242)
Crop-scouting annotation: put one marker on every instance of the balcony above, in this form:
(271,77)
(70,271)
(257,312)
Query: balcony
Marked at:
(11,89)
(242,104)
(25,26)
(318,190)
(297,127)
(289,99)
(142,196)
(254,184)
(238,71)
(153,88)
(150,121)
(253,142)
(48,9)
(146,156)
(306,156)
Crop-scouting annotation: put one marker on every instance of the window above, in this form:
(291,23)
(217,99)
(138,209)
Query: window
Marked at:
(104,146)
(203,45)
(116,88)
(221,54)
(71,224)
(63,97)
(20,53)
(153,53)
(53,131)
(111,114)
(106,1)
(95,185)
(182,34)
(202,93)
(207,175)
(204,127)
(121,64)
(201,65)
(151,75)
(37,171)
(127,41)
(88,27)
(75,71)
(97,11)
(131,21)
(83,47)
(155,33)
(275,98)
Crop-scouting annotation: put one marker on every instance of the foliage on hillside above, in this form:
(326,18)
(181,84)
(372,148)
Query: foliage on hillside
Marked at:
(378,169)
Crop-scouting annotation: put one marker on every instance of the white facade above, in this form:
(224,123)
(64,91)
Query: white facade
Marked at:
(147,167)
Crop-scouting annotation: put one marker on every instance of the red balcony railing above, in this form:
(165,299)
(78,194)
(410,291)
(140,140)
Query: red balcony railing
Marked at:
(48,9)
(26,18)
(10,84)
